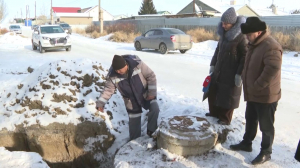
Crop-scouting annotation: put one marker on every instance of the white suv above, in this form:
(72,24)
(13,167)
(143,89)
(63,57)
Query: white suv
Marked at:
(50,37)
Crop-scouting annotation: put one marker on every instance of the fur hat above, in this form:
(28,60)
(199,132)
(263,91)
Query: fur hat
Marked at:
(253,24)
(118,62)
(229,16)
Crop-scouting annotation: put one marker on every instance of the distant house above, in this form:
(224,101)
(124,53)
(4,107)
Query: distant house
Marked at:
(273,11)
(94,12)
(65,9)
(78,16)
(202,5)
(218,8)
(243,10)
(164,13)
(148,16)
(118,17)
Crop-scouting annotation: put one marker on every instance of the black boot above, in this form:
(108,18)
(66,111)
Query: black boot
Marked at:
(261,158)
(210,115)
(242,146)
(150,134)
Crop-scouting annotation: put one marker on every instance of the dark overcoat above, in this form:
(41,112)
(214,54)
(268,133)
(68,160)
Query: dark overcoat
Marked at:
(229,60)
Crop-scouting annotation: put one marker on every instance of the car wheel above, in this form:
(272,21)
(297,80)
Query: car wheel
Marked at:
(42,50)
(68,49)
(163,48)
(182,51)
(138,46)
(33,46)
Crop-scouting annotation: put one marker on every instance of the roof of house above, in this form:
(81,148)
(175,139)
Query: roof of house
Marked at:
(269,12)
(85,9)
(65,9)
(163,12)
(203,5)
(93,7)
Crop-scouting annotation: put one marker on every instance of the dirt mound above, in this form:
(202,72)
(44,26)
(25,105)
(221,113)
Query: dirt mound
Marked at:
(61,88)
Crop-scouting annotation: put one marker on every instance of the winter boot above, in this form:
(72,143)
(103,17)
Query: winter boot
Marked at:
(261,158)
(242,146)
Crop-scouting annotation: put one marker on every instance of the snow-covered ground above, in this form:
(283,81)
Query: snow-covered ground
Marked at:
(180,78)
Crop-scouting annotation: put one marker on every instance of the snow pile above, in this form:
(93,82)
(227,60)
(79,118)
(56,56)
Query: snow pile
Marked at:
(137,153)
(61,91)
(13,43)
(23,159)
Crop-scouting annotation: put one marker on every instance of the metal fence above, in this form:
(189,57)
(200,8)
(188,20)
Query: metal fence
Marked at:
(285,24)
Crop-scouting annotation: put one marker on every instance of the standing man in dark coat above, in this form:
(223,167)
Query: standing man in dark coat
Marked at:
(226,68)
(262,90)
(297,154)
(137,84)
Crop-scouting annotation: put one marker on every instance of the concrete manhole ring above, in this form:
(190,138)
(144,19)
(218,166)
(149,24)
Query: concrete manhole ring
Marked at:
(186,135)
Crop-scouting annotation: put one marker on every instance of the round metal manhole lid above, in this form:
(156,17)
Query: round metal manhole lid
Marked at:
(186,127)
(188,124)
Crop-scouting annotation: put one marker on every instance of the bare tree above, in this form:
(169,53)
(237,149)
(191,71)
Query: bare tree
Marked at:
(43,10)
(3,11)
(42,19)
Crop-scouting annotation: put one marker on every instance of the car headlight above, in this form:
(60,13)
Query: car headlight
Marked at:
(68,37)
(46,38)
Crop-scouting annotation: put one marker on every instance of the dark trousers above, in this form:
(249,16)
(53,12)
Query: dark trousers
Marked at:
(135,121)
(216,111)
(297,154)
(262,113)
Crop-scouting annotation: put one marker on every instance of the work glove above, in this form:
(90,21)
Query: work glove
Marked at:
(238,80)
(211,69)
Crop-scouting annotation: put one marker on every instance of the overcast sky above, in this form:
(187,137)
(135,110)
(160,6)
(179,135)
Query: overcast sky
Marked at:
(127,7)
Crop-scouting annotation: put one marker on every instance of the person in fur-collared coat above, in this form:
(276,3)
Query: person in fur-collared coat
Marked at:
(226,68)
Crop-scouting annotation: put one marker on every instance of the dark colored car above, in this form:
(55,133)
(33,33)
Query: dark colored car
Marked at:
(34,27)
(164,39)
(66,26)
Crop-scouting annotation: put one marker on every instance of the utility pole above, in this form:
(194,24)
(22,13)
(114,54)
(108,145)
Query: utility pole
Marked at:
(194,6)
(100,18)
(51,14)
(27,7)
(35,11)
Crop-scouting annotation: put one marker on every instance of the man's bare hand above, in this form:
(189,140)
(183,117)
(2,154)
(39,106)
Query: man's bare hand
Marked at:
(150,97)
(100,109)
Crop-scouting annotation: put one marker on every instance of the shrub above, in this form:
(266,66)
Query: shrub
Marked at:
(283,39)
(295,38)
(79,31)
(3,31)
(90,29)
(124,27)
(121,36)
(95,34)
(288,41)
(200,34)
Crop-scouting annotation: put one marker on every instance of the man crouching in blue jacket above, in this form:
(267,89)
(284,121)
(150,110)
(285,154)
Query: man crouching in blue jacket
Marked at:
(137,84)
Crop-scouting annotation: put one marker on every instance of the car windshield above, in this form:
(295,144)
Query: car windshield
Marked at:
(175,31)
(64,25)
(15,27)
(51,29)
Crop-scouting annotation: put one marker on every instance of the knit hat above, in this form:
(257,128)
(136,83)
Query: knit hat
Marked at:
(253,24)
(229,16)
(118,62)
